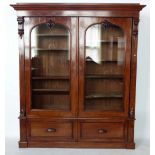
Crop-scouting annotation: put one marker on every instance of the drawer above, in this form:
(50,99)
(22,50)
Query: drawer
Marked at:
(100,131)
(50,130)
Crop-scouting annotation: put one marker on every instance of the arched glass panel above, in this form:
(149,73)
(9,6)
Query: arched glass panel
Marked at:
(104,68)
(50,67)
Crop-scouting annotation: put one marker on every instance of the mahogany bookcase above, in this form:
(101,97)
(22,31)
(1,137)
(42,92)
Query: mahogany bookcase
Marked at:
(77,74)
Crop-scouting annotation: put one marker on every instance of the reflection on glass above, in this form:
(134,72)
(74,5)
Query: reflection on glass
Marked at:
(93,50)
(50,61)
(104,68)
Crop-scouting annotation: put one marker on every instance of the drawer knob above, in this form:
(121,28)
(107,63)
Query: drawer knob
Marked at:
(102,131)
(51,130)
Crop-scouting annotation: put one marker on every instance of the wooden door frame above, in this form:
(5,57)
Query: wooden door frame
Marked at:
(71,24)
(126,25)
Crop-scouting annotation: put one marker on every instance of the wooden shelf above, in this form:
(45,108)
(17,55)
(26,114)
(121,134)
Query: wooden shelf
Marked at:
(98,96)
(103,106)
(53,91)
(92,47)
(108,42)
(104,76)
(46,49)
(103,61)
(51,78)
(55,106)
(52,35)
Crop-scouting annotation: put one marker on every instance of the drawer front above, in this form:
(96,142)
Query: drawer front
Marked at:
(50,130)
(99,131)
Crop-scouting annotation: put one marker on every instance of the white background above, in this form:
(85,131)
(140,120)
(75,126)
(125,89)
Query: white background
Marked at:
(12,67)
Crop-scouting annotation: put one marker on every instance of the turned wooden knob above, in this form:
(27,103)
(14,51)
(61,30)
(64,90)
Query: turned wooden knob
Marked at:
(51,130)
(102,131)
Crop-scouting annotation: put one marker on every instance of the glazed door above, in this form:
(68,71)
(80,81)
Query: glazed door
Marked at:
(104,66)
(51,89)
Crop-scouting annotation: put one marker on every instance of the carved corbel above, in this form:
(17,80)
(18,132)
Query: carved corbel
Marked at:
(20,26)
(135,26)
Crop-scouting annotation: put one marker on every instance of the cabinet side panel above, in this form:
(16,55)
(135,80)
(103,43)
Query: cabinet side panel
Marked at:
(23,137)
(133,66)
(131,143)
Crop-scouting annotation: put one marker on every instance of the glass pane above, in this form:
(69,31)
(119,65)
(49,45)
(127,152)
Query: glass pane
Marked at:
(104,68)
(50,63)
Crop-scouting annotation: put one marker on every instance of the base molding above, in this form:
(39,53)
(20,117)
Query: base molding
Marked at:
(23,144)
(130,145)
(115,145)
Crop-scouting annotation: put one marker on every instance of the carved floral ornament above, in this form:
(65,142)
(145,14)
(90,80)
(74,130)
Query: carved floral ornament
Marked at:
(50,24)
(106,24)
